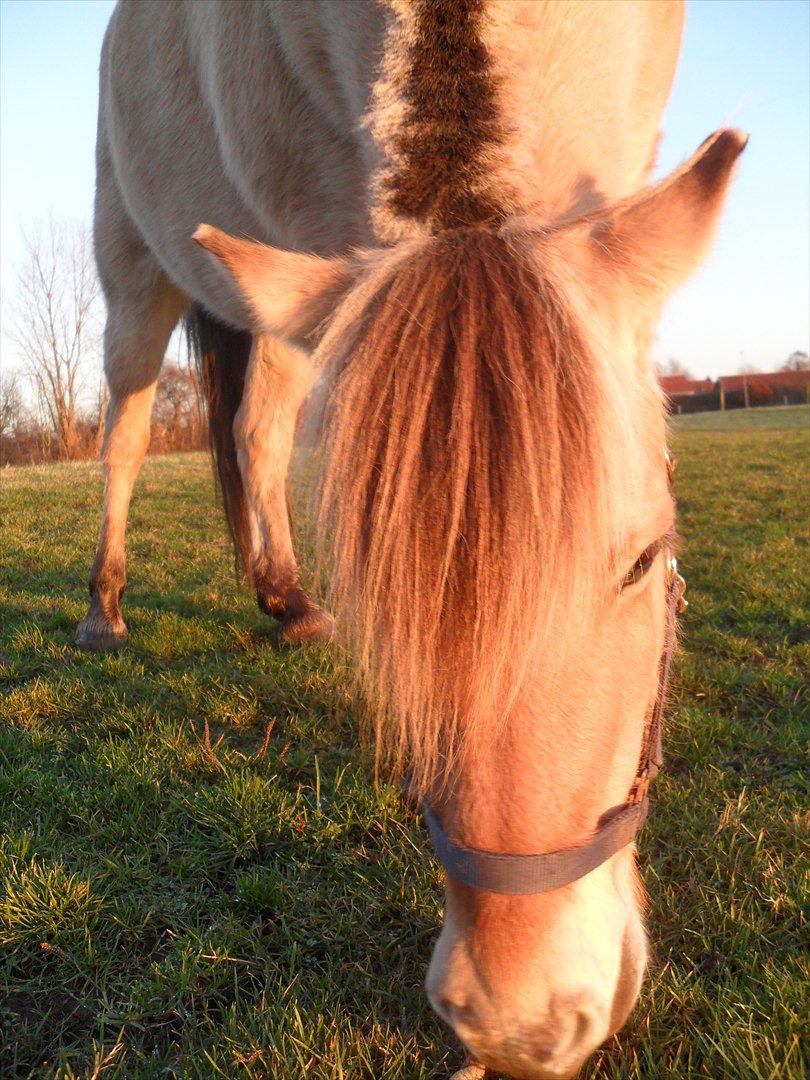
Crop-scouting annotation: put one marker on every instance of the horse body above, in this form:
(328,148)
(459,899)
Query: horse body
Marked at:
(463,258)
(272,120)
(278,121)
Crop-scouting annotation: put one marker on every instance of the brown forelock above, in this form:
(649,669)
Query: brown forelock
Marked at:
(451,119)
(461,466)
(222,355)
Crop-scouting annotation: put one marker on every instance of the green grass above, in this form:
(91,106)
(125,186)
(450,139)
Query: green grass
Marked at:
(772,418)
(263,910)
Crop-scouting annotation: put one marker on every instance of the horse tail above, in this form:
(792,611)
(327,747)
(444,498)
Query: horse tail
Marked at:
(221,355)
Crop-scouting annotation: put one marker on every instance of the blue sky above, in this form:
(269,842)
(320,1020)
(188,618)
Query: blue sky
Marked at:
(744,63)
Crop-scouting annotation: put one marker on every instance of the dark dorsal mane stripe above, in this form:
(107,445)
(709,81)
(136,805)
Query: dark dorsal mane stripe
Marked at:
(451,120)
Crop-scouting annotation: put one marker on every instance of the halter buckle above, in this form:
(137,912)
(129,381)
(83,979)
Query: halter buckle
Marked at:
(672,464)
(683,603)
(641,787)
(680,583)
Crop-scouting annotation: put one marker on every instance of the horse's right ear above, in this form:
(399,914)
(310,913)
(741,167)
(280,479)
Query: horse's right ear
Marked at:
(289,294)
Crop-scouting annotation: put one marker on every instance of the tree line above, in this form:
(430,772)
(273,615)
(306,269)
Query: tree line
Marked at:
(798,360)
(53,400)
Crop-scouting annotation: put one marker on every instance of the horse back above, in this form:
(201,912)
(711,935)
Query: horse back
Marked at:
(285,121)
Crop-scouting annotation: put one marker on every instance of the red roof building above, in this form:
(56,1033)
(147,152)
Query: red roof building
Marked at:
(736,391)
(773,381)
(681,384)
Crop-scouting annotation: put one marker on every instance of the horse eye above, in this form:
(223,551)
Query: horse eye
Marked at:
(642,565)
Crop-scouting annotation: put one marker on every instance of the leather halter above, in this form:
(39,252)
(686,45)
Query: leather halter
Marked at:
(517,875)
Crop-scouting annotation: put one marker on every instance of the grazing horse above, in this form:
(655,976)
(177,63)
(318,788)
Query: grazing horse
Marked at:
(454,256)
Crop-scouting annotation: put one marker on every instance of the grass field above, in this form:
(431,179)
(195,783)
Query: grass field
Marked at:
(265,911)
(778,418)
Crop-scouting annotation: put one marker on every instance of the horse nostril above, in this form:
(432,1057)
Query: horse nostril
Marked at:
(456,1010)
(583,1024)
(564,1035)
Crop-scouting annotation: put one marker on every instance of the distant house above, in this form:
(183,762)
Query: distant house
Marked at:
(682,384)
(689,395)
(736,391)
(769,388)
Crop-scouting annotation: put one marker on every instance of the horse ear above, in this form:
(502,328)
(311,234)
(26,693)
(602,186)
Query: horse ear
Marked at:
(289,294)
(656,243)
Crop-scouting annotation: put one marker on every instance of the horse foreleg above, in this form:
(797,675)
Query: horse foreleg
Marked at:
(277,381)
(135,340)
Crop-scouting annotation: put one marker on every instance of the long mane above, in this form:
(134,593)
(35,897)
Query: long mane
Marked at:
(464,496)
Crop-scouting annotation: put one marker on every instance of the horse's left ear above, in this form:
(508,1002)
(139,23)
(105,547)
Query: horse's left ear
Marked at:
(289,294)
(654,244)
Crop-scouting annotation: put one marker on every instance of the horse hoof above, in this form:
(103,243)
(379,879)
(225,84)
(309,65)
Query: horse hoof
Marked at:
(312,626)
(97,635)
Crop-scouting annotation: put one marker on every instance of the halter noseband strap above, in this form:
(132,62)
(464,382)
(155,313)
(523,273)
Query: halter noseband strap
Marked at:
(517,875)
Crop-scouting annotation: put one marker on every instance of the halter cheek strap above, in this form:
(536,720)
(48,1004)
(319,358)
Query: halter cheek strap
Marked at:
(517,875)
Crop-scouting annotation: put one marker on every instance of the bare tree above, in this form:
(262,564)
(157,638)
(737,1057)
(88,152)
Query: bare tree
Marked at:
(673,367)
(177,400)
(178,414)
(12,406)
(797,361)
(96,414)
(53,323)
